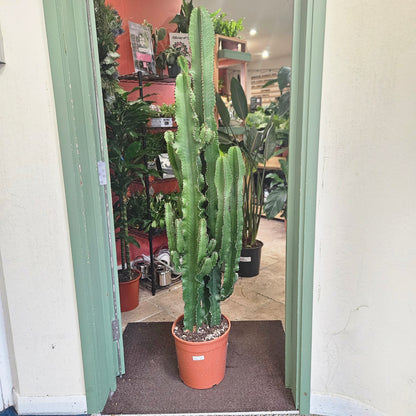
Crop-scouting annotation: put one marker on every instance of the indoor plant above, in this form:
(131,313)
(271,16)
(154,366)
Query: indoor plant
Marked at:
(158,34)
(183,18)
(276,200)
(284,78)
(169,58)
(124,124)
(109,26)
(224,27)
(257,146)
(207,236)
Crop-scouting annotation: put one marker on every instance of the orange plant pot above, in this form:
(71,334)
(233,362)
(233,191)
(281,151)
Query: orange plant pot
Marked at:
(202,364)
(129,294)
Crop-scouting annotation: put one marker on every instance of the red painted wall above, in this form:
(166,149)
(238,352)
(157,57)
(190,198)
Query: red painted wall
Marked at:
(157,12)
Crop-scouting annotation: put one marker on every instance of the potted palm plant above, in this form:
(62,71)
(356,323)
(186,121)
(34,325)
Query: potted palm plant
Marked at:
(206,238)
(257,146)
(125,121)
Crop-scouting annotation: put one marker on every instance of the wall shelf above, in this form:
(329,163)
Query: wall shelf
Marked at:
(227,57)
(154,79)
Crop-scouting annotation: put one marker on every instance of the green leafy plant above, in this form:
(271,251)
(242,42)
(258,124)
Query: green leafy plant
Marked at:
(261,117)
(257,146)
(183,18)
(155,145)
(125,122)
(284,78)
(142,219)
(206,237)
(108,25)
(168,57)
(168,110)
(276,201)
(222,26)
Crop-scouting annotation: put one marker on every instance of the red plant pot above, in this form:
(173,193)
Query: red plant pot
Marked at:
(129,294)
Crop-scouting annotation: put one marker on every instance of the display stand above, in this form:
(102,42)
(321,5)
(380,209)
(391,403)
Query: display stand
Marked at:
(147,190)
(151,281)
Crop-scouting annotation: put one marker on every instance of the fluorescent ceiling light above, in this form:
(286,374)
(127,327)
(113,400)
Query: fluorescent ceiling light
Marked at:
(253,32)
(265,54)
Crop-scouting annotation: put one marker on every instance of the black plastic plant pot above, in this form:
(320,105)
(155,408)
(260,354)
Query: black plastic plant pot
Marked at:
(250,260)
(174,70)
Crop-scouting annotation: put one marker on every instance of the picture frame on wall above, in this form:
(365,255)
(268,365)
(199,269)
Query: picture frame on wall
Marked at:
(142,48)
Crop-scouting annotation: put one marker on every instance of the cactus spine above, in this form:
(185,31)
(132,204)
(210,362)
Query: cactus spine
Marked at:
(208,236)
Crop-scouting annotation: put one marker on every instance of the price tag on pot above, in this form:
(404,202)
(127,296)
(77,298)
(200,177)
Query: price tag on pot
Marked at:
(198,357)
(245,259)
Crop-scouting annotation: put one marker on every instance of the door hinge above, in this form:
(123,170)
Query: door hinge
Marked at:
(116,329)
(102,172)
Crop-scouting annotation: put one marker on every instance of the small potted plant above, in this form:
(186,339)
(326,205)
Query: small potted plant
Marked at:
(169,58)
(206,238)
(163,116)
(228,28)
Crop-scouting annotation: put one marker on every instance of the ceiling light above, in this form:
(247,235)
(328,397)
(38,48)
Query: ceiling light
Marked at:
(265,54)
(253,32)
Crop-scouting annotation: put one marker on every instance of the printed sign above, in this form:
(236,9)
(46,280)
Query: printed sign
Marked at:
(142,48)
(181,41)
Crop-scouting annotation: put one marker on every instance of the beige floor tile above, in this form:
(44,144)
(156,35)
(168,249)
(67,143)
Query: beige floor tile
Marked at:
(161,317)
(144,311)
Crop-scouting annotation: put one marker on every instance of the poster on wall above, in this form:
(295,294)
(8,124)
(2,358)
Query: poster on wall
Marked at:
(142,48)
(181,41)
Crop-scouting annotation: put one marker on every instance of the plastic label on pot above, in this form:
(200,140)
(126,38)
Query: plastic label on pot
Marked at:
(198,357)
(245,259)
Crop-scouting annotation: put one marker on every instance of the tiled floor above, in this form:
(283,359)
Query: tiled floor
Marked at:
(255,298)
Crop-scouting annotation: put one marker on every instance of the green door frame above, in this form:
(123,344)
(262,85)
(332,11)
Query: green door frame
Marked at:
(75,90)
(307,63)
(72,43)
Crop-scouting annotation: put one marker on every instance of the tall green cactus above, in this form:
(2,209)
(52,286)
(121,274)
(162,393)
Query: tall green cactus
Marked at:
(207,238)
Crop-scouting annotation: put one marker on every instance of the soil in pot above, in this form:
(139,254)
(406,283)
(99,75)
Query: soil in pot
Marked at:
(205,333)
(202,364)
(250,260)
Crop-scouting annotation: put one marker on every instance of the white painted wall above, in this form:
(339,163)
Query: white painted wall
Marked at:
(364,337)
(6,385)
(38,284)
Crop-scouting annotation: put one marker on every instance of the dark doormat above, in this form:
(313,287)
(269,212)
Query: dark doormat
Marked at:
(254,378)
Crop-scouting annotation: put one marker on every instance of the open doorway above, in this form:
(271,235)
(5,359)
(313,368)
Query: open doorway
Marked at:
(263,296)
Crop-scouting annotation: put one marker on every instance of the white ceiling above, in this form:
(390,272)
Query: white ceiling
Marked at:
(273,20)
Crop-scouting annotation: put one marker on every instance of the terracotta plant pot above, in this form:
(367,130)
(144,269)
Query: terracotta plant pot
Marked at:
(201,364)
(129,293)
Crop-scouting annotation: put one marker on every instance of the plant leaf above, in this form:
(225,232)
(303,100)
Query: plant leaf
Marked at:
(239,99)
(284,77)
(275,201)
(284,103)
